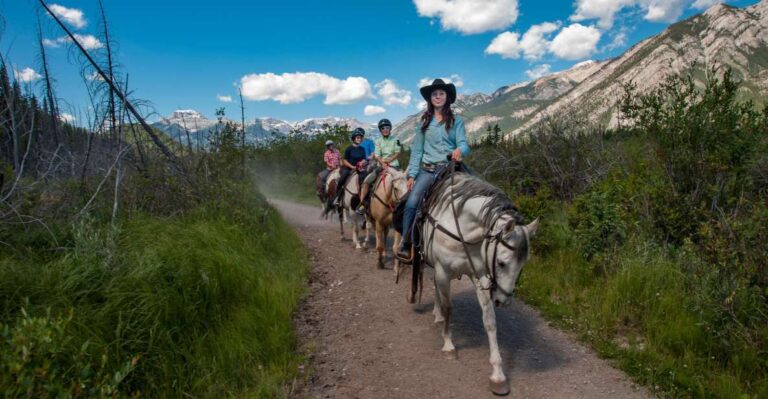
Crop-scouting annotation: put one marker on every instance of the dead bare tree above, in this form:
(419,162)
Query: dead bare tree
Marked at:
(53,108)
(116,90)
(112,109)
(242,115)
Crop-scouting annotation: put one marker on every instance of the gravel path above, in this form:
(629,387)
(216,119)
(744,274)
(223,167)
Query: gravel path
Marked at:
(365,341)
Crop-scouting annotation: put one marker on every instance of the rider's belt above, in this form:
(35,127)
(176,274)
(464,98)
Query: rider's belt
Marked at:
(430,167)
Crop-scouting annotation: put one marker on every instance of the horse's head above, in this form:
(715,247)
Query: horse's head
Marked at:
(511,250)
(399,184)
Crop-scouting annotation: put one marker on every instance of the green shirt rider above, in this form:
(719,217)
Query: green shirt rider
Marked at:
(387,151)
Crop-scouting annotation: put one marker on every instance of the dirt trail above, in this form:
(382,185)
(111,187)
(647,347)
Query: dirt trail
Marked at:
(366,341)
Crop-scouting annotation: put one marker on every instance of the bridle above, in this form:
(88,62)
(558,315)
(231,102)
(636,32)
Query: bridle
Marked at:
(382,182)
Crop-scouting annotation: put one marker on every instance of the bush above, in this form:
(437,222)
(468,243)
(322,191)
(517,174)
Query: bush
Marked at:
(38,361)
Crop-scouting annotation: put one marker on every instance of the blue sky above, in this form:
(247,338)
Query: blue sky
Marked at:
(301,59)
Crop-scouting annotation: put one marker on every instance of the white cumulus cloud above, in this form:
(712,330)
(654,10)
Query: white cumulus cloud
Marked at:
(373,110)
(455,79)
(506,44)
(665,10)
(65,117)
(72,16)
(470,16)
(224,99)
(26,75)
(572,42)
(290,88)
(534,43)
(94,76)
(655,10)
(538,71)
(575,41)
(704,4)
(391,94)
(89,42)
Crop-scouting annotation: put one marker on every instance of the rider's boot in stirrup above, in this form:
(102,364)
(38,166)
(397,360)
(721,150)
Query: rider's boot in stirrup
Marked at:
(405,253)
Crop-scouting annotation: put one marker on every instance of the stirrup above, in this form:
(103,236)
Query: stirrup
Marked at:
(360,210)
(409,259)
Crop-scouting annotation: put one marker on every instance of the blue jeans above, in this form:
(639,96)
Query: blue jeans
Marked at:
(420,186)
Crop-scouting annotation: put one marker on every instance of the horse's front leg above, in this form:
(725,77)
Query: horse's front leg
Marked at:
(355,231)
(443,291)
(381,237)
(341,223)
(395,247)
(498,384)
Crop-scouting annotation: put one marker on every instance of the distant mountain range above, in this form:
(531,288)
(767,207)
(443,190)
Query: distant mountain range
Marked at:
(259,130)
(721,36)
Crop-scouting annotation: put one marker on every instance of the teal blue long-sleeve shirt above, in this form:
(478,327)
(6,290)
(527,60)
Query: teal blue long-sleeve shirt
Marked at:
(436,144)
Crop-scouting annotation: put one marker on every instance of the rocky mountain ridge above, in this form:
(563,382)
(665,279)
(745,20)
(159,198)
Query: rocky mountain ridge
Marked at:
(722,36)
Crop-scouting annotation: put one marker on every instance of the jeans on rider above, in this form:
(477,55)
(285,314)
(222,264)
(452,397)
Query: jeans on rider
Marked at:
(421,184)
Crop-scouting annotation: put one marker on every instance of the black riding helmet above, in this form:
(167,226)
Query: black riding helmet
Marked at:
(384,122)
(357,132)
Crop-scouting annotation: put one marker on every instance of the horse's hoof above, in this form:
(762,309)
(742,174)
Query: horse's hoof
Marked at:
(451,355)
(380,265)
(499,388)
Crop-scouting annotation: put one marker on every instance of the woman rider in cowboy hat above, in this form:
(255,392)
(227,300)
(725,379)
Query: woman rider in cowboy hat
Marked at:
(441,134)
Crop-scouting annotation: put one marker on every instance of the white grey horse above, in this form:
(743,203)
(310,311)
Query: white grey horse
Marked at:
(473,229)
(352,190)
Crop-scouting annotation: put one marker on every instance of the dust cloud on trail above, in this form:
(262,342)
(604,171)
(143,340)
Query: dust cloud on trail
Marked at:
(299,215)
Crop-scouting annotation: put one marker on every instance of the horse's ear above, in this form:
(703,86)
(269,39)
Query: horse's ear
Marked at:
(532,227)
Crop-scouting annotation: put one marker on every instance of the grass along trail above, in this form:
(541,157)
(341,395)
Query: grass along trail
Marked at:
(364,340)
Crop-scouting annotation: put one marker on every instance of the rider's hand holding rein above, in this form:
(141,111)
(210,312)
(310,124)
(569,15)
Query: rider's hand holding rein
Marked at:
(456,155)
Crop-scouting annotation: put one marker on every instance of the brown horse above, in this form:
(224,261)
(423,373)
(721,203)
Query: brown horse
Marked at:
(390,188)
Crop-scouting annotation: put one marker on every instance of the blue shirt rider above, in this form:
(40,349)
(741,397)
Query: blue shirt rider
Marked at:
(441,133)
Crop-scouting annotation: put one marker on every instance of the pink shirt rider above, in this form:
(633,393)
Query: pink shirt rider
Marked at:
(332,159)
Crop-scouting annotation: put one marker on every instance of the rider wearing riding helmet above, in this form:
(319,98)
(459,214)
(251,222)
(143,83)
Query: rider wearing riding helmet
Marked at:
(386,153)
(441,134)
(332,160)
(354,158)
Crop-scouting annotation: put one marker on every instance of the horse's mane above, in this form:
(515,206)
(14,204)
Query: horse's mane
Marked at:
(466,187)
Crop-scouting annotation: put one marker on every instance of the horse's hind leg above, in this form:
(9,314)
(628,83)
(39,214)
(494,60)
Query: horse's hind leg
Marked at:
(498,384)
(355,232)
(443,290)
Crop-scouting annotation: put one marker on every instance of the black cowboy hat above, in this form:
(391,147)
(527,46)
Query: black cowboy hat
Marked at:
(449,88)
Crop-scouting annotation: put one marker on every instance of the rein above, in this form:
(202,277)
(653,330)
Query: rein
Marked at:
(382,182)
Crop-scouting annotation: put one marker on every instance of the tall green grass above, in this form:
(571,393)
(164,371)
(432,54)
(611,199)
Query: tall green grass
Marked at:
(643,306)
(199,305)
